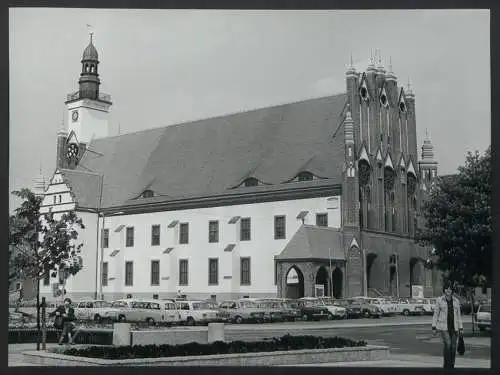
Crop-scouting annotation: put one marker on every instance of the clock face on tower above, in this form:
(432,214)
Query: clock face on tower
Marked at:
(74,116)
(72,151)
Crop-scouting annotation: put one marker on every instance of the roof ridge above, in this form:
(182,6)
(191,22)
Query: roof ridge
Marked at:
(224,115)
(65,170)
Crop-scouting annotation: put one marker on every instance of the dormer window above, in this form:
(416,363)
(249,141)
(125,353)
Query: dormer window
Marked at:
(305,176)
(147,194)
(251,182)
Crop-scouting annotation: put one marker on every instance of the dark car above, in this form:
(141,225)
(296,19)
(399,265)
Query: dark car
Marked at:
(291,309)
(312,309)
(466,305)
(352,311)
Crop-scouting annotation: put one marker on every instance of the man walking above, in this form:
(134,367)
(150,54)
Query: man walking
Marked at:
(448,321)
(66,315)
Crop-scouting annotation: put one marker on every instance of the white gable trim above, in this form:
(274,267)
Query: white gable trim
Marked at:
(354,243)
(364,155)
(411,169)
(388,162)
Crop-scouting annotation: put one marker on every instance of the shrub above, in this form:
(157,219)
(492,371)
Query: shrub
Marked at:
(284,343)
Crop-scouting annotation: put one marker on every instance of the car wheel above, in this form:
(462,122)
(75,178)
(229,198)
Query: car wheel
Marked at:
(238,320)
(121,318)
(190,321)
(97,318)
(330,316)
(406,312)
(150,321)
(305,317)
(366,314)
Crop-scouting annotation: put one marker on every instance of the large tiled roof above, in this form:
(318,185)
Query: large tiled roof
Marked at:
(213,156)
(314,243)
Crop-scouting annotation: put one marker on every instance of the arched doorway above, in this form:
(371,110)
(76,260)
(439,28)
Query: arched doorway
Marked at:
(337,281)
(294,283)
(322,279)
(416,274)
(370,260)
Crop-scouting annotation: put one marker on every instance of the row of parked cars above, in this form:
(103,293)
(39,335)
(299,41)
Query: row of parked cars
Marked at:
(191,312)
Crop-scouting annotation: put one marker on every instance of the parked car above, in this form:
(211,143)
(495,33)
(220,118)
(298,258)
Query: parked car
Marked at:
(274,311)
(240,311)
(428,305)
(387,308)
(409,306)
(91,310)
(193,312)
(291,309)
(367,310)
(483,317)
(352,311)
(312,309)
(336,311)
(466,305)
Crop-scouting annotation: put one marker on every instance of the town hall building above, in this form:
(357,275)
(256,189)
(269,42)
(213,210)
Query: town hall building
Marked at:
(317,197)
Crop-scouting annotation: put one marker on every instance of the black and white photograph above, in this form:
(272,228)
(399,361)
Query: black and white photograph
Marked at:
(224,187)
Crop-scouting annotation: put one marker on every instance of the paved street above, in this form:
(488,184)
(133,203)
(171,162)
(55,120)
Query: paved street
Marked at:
(410,339)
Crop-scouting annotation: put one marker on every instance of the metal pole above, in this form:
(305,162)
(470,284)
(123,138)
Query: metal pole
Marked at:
(97,256)
(365,276)
(97,282)
(331,273)
(37,288)
(102,259)
(397,275)
(44,325)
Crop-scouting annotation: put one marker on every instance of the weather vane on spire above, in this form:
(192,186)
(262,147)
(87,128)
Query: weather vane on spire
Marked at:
(91,32)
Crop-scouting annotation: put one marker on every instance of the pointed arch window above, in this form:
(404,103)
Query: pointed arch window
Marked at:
(251,181)
(393,211)
(305,176)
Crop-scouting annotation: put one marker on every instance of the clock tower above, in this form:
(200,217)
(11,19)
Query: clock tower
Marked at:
(87,111)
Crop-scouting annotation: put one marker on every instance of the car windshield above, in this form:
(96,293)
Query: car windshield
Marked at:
(118,304)
(485,308)
(291,304)
(312,303)
(201,306)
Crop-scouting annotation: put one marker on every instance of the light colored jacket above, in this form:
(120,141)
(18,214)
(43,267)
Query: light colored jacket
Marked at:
(440,318)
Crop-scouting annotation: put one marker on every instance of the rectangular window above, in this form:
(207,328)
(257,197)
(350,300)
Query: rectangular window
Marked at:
(155,272)
(46,278)
(245,229)
(322,220)
(245,271)
(105,238)
(130,237)
(213,271)
(213,231)
(105,274)
(155,235)
(279,227)
(184,233)
(129,273)
(183,272)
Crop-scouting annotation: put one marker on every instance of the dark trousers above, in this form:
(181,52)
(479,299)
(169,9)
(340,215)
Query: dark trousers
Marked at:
(450,348)
(68,329)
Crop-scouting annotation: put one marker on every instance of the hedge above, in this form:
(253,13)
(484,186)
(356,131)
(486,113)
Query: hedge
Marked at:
(88,337)
(286,342)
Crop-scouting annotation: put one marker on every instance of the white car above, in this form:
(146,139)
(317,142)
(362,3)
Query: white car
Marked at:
(91,310)
(192,312)
(483,317)
(336,311)
(409,306)
(386,306)
(427,303)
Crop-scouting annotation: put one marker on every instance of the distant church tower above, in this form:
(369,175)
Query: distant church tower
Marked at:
(39,186)
(87,112)
(428,166)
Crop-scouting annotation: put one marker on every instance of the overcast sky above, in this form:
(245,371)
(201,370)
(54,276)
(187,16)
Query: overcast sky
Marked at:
(168,66)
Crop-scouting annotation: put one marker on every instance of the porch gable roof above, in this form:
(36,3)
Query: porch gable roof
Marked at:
(313,242)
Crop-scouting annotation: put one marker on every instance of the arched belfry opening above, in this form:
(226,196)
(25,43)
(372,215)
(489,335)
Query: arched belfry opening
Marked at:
(294,283)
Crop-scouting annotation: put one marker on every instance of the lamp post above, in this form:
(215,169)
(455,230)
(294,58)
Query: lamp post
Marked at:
(330,276)
(397,275)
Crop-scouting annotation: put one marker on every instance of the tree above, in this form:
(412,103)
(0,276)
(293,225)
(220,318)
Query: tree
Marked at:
(40,244)
(458,224)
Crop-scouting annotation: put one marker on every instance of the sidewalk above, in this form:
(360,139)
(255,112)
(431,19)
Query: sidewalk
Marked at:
(405,360)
